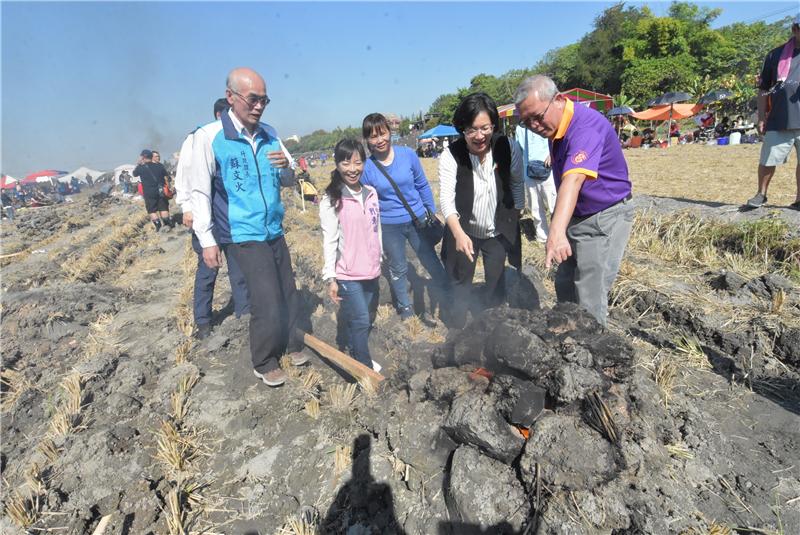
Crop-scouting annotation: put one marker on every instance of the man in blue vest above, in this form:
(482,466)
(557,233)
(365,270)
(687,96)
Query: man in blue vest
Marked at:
(238,166)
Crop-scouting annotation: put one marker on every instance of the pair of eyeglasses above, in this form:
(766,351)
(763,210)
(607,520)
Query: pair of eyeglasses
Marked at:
(537,118)
(253,100)
(485,130)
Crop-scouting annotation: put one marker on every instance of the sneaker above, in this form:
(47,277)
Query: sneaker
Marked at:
(298,359)
(757,201)
(406,313)
(274,378)
(203,331)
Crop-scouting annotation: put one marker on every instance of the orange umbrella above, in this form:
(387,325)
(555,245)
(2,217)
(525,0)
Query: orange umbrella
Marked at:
(661,113)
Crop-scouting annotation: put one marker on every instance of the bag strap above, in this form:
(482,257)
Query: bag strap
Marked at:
(525,152)
(383,170)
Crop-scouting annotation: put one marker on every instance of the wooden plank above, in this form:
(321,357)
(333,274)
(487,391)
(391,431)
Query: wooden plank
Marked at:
(102,525)
(345,362)
(11,255)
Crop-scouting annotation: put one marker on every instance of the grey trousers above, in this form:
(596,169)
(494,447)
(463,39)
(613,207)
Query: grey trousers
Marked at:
(598,243)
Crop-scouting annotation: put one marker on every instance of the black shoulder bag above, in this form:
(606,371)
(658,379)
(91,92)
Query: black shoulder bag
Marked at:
(430,227)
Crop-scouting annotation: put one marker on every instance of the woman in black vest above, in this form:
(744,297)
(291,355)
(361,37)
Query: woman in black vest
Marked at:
(482,193)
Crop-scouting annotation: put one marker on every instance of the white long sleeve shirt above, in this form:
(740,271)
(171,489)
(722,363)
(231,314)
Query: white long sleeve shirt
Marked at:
(484,203)
(183,190)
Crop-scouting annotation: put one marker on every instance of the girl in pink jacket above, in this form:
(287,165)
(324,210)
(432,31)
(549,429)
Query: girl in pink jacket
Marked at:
(351,233)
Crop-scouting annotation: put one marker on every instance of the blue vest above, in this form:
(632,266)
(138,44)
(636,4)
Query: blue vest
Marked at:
(245,189)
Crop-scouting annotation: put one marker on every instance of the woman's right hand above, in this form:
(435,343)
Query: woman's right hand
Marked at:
(333,292)
(464,245)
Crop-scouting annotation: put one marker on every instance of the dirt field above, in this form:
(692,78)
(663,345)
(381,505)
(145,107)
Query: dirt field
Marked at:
(682,417)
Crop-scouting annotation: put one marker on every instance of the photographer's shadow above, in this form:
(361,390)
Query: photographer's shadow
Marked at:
(362,501)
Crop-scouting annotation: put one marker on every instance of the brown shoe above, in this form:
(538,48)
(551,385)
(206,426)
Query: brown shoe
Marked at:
(274,378)
(298,358)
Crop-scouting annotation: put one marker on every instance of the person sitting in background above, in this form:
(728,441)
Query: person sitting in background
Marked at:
(707,120)
(648,136)
(723,129)
(675,130)
(351,238)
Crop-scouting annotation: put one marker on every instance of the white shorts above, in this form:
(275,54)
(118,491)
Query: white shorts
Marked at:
(777,146)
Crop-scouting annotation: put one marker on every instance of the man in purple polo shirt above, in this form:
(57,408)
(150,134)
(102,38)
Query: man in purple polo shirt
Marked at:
(593,217)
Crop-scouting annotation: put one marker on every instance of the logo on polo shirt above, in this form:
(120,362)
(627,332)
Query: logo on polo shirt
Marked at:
(580,157)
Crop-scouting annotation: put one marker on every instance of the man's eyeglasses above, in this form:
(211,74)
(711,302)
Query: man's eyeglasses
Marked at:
(252,100)
(485,130)
(537,118)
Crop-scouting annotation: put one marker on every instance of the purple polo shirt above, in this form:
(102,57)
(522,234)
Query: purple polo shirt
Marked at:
(587,143)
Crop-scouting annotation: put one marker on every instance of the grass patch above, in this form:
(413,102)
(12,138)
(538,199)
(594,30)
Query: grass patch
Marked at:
(341,397)
(23,509)
(12,385)
(177,449)
(749,247)
(342,459)
(101,256)
(67,417)
(691,354)
(312,408)
(679,451)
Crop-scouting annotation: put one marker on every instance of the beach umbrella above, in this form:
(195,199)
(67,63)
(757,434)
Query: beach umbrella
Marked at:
(620,110)
(715,95)
(670,97)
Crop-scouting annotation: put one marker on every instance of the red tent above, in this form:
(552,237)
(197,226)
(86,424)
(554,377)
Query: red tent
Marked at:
(597,101)
(31,178)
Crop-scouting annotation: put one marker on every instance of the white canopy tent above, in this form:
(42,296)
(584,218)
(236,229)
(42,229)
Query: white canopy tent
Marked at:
(80,173)
(126,167)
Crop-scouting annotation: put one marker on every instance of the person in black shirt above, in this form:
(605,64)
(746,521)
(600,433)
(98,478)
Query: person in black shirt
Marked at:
(153,176)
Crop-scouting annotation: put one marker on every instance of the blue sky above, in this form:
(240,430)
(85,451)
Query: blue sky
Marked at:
(92,83)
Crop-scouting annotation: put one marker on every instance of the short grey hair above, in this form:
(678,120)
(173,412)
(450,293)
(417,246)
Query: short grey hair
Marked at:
(543,87)
(230,82)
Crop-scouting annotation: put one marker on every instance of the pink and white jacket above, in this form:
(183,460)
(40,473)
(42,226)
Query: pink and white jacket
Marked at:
(351,237)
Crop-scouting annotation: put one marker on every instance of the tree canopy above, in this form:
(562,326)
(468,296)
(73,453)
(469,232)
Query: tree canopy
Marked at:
(635,56)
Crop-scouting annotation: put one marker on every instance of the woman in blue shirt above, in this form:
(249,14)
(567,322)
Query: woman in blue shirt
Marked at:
(397,226)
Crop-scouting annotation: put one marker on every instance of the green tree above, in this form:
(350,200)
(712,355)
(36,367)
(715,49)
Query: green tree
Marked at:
(648,78)
(599,60)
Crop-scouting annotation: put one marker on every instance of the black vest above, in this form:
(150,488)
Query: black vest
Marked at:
(506,217)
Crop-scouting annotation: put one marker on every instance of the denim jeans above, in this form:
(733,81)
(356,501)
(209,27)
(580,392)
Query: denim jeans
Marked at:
(359,300)
(394,247)
(205,279)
